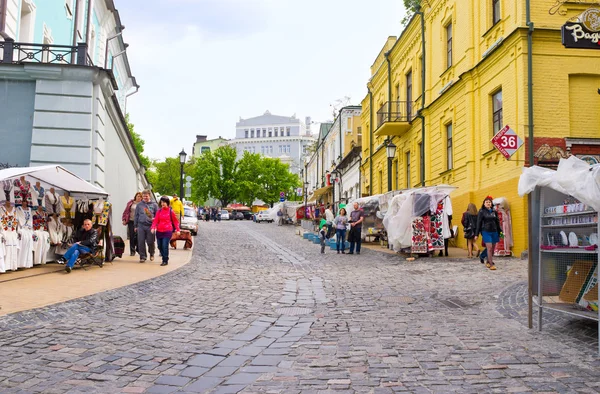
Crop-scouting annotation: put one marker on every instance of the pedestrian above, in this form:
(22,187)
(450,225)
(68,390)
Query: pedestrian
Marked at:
(469,222)
(329,214)
(280,216)
(340,222)
(165,223)
(127,217)
(142,221)
(488,225)
(86,241)
(177,207)
(356,219)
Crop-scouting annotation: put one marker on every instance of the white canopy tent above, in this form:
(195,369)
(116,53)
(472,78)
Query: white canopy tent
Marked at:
(54,176)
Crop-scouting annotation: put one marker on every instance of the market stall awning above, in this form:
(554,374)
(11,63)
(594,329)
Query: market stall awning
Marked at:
(238,207)
(54,176)
(319,192)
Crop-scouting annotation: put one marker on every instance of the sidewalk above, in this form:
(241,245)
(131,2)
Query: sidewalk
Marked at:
(453,253)
(49,284)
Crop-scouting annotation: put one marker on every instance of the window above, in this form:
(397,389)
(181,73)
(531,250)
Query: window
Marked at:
(449,45)
(495,11)
(246,133)
(287,130)
(497,112)
(69,8)
(264,133)
(408,170)
(204,149)
(409,95)
(281,149)
(27,21)
(449,156)
(396,184)
(271,149)
(277,132)
(288,149)
(252,133)
(270,133)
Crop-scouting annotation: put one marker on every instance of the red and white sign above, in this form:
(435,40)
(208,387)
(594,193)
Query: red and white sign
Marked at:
(507,142)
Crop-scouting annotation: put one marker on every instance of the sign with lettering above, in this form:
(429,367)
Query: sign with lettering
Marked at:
(507,142)
(584,33)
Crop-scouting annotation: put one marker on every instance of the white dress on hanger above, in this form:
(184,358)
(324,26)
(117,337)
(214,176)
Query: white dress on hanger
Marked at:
(2,254)
(41,243)
(9,226)
(55,228)
(25,218)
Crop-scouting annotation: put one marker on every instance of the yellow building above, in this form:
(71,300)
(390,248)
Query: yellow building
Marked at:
(476,82)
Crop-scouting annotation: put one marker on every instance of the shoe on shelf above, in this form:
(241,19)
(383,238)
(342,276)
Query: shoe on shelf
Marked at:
(492,267)
(68,269)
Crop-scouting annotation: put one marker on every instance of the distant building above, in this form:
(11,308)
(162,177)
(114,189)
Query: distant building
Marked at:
(283,137)
(203,145)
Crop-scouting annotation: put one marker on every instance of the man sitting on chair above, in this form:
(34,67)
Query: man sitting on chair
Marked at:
(86,241)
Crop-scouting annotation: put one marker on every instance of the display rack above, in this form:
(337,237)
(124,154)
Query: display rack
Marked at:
(566,280)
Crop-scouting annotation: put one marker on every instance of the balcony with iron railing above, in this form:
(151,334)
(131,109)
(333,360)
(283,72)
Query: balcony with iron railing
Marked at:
(394,118)
(12,52)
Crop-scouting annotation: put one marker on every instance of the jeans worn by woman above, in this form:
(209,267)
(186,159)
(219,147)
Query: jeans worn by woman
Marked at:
(163,239)
(340,236)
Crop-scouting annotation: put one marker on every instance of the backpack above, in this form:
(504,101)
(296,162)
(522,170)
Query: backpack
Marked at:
(171,217)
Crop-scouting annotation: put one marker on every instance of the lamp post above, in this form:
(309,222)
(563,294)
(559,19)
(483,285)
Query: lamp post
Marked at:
(333,178)
(182,156)
(391,153)
(305,199)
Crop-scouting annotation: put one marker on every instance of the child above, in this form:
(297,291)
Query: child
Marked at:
(324,232)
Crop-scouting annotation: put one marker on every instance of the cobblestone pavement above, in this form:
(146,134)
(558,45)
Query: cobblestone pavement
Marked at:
(259,310)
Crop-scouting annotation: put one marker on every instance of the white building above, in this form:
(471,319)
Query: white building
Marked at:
(283,137)
(64,103)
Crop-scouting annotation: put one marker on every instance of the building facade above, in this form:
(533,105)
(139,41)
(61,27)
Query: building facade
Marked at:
(442,104)
(283,137)
(60,103)
(332,170)
(205,145)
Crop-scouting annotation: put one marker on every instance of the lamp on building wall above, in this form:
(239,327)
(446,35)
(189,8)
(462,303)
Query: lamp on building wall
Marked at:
(182,157)
(391,153)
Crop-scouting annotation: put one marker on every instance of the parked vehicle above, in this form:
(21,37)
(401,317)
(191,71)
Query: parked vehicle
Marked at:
(189,221)
(247,215)
(238,216)
(225,215)
(263,217)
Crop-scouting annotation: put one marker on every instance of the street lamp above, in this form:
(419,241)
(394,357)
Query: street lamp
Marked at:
(305,199)
(333,178)
(182,157)
(391,153)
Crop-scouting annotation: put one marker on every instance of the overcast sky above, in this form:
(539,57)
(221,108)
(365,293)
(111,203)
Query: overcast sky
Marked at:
(203,64)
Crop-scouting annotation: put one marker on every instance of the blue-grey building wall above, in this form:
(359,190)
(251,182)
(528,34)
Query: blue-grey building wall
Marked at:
(16,111)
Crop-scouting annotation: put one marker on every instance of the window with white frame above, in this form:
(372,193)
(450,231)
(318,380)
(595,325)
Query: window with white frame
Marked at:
(271,149)
(276,131)
(449,154)
(287,130)
(497,112)
(449,45)
(246,133)
(27,21)
(264,133)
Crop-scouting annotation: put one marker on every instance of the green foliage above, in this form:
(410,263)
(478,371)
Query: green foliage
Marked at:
(165,179)
(411,6)
(139,143)
(219,175)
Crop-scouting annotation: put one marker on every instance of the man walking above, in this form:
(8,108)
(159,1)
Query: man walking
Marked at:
(177,207)
(86,242)
(144,215)
(356,219)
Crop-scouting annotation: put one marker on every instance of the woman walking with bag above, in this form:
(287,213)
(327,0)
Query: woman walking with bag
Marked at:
(469,222)
(340,230)
(128,215)
(164,225)
(488,226)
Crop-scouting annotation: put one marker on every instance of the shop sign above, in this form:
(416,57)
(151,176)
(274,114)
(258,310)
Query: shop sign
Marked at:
(584,32)
(507,142)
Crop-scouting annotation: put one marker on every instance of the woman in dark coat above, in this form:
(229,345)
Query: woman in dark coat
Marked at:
(488,225)
(469,222)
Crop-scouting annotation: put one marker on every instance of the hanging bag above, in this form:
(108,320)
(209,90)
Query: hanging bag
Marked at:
(171,213)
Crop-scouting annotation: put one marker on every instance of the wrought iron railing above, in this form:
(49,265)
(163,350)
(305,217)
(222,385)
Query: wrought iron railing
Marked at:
(19,53)
(396,111)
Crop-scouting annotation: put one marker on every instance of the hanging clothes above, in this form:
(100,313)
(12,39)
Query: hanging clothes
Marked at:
(7,187)
(25,218)
(503,247)
(420,235)
(67,207)
(38,196)
(41,243)
(102,219)
(436,228)
(83,211)
(22,192)
(52,203)
(9,226)
(98,208)
(55,229)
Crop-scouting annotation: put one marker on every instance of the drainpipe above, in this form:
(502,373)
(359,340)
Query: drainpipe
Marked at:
(370,142)
(531,158)
(88,31)
(75,25)
(3,6)
(389,67)
(420,112)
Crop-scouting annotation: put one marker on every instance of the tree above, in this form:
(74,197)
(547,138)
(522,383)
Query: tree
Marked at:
(411,6)
(167,177)
(138,143)
(249,177)
(275,178)
(215,175)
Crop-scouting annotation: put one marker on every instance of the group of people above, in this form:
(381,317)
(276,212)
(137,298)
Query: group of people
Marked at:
(149,223)
(484,223)
(342,224)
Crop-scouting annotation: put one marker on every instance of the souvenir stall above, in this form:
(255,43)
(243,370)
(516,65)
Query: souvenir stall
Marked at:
(41,208)
(503,247)
(418,220)
(564,237)
(372,227)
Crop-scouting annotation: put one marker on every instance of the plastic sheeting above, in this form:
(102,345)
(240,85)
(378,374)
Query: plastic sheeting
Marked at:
(573,177)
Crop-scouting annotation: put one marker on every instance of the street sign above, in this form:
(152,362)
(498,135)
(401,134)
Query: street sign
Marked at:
(188,184)
(188,178)
(281,199)
(282,194)
(507,142)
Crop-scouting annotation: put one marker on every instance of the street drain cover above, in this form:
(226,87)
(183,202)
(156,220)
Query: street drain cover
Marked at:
(293,311)
(398,299)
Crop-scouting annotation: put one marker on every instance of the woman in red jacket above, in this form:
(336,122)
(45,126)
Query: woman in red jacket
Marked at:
(164,225)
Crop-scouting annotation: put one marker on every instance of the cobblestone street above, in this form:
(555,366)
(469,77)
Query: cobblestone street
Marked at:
(260,310)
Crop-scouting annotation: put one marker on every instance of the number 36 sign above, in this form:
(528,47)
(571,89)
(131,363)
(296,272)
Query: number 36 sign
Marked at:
(507,142)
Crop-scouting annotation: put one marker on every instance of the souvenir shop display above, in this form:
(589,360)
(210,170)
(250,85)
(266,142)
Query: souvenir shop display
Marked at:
(565,228)
(504,245)
(39,207)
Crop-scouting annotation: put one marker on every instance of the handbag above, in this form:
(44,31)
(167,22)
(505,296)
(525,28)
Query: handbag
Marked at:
(171,217)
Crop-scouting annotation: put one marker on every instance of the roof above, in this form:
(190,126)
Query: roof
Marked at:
(324,130)
(266,119)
